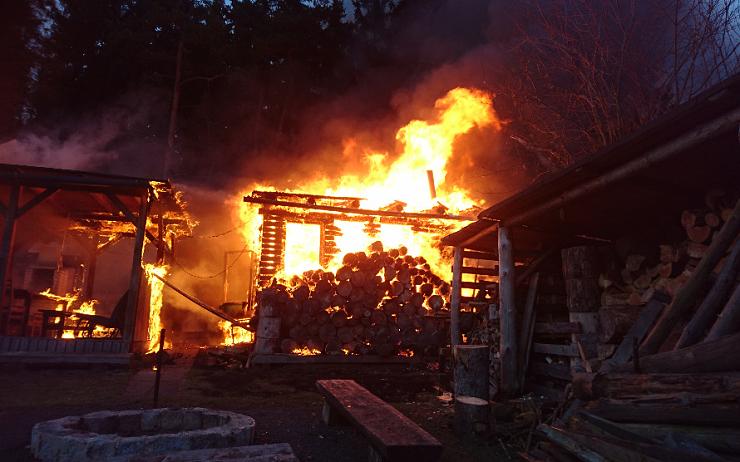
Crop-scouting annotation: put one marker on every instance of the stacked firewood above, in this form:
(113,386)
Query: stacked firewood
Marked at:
(669,268)
(381,302)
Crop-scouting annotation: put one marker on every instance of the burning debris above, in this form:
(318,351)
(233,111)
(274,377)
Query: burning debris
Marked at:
(383,302)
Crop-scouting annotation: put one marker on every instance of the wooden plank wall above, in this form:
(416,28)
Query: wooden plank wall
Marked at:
(68,346)
(549,368)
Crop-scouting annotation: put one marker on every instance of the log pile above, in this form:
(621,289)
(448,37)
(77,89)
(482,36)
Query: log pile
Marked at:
(671,389)
(668,268)
(382,302)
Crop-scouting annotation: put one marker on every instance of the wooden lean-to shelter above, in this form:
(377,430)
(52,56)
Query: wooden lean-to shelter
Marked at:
(625,262)
(89,212)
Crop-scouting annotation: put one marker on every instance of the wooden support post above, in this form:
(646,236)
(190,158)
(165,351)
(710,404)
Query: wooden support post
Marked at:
(92,264)
(136,272)
(687,295)
(508,351)
(457,264)
(581,273)
(8,239)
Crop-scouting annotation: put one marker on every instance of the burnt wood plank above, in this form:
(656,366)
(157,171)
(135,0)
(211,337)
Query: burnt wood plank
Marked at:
(392,434)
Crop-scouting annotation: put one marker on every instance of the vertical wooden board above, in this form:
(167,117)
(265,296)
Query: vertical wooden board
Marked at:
(14,344)
(3,343)
(97,347)
(33,344)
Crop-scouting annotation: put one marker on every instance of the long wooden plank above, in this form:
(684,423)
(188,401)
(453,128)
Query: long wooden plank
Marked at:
(637,332)
(717,415)
(480,255)
(480,271)
(557,350)
(715,356)
(392,434)
(477,285)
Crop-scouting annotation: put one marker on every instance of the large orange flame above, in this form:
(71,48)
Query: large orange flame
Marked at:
(427,145)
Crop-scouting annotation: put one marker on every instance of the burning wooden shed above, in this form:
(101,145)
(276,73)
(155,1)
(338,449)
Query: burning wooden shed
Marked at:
(58,226)
(617,282)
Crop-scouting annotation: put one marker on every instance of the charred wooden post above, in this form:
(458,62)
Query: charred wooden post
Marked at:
(508,351)
(581,273)
(8,239)
(267,339)
(471,370)
(273,244)
(329,249)
(136,272)
(455,296)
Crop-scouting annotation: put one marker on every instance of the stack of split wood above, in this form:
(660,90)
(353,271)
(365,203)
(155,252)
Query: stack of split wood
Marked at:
(382,302)
(643,274)
(671,389)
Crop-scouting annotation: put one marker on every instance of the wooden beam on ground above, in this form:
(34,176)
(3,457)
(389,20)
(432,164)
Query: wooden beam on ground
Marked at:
(710,356)
(508,351)
(684,300)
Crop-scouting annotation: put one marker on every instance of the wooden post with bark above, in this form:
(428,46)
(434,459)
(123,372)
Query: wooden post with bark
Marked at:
(508,351)
(457,264)
(581,273)
(687,295)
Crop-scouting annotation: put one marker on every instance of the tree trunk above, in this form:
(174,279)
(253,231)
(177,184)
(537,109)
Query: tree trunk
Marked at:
(508,352)
(471,370)
(472,415)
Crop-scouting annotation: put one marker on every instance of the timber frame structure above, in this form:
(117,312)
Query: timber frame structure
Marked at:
(279,208)
(97,210)
(633,187)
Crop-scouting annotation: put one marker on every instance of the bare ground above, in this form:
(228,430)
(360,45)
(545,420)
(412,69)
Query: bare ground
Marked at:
(282,399)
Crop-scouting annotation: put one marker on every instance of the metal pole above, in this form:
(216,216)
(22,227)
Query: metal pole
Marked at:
(158,375)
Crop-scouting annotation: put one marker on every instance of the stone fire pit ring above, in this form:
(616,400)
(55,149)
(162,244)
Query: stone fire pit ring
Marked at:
(107,434)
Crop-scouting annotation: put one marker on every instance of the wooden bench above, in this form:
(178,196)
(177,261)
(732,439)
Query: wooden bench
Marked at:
(392,436)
